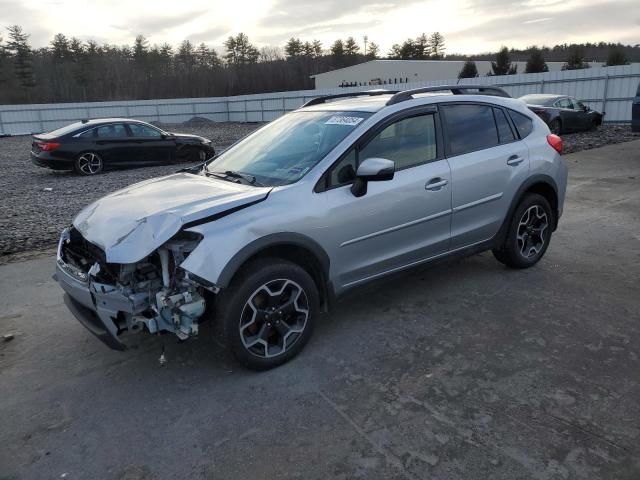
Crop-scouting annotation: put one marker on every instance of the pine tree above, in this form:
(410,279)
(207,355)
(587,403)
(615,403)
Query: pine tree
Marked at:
(436,42)
(616,56)
(140,51)
(575,61)
(373,51)
(317,48)
(240,51)
(18,48)
(337,49)
(293,48)
(206,58)
(59,48)
(535,62)
(469,70)
(408,50)
(396,52)
(502,65)
(186,55)
(422,49)
(80,61)
(351,47)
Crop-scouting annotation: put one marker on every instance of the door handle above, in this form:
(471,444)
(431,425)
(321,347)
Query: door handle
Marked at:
(515,160)
(435,184)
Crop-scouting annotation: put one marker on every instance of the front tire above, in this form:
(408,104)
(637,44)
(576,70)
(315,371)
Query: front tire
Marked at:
(88,163)
(268,312)
(556,127)
(528,234)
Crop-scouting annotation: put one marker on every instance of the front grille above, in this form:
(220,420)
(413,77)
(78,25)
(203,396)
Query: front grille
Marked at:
(82,255)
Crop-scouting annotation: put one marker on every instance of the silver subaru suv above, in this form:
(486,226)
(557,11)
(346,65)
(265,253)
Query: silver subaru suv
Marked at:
(347,189)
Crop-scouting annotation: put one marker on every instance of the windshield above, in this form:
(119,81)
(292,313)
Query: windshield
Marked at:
(285,150)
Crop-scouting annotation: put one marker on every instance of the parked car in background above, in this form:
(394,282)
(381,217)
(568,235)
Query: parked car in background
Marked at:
(562,113)
(91,146)
(635,112)
(336,194)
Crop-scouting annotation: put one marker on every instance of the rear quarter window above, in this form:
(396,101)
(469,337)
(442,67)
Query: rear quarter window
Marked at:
(523,124)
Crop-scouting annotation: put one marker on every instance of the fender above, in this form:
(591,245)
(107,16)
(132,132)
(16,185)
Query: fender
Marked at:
(273,240)
(528,183)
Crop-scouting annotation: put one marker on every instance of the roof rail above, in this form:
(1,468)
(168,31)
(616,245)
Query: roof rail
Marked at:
(370,93)
(454,89)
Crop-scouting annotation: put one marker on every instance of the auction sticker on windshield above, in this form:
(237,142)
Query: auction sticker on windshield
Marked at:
(342,120)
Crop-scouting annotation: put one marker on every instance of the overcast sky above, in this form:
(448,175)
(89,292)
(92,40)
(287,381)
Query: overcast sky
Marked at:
(469,26)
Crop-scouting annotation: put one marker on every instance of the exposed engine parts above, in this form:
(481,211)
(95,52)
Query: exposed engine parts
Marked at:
(154,294)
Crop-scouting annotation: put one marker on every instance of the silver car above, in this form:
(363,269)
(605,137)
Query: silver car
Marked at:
(340,192)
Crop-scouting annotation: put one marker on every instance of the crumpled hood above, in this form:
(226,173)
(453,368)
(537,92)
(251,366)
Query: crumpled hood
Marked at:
(131,223)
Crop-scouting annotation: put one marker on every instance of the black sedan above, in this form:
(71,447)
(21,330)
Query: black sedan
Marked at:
(562,113)
(90,146)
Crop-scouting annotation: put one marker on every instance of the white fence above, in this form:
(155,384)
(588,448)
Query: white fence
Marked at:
(609,89)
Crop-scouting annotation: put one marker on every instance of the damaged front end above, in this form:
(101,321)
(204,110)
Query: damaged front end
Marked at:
(153,294)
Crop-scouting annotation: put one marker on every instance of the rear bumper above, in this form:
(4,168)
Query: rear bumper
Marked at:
(47,160)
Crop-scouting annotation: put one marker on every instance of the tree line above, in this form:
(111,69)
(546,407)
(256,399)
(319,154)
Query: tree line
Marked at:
(71,70)
(575,59)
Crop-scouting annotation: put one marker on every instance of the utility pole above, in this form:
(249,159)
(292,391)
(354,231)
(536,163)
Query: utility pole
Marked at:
(366,39)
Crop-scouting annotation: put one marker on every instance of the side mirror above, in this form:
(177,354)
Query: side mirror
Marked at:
(372,170)
(586,108)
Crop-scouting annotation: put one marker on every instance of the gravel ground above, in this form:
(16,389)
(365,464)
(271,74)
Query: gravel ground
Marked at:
(31,216)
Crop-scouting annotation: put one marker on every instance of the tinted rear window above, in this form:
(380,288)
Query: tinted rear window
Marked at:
(523,124)
(469,127)
(66,129)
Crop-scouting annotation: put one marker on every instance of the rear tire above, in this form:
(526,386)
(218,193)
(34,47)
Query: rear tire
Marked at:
(88,163)
(528,234)
(268,312)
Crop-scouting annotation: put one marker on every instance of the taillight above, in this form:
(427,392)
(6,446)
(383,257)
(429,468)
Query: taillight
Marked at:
(556,142)
(47,146)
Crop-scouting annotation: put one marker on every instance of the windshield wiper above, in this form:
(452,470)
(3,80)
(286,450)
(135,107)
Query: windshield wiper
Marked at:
(244,176)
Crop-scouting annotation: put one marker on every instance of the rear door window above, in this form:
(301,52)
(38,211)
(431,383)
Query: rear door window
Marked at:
(116,130)
(138,130)
(469,127)
(523,124)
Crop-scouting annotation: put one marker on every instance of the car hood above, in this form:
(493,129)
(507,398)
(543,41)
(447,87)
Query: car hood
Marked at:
(187,136)
(131,223)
